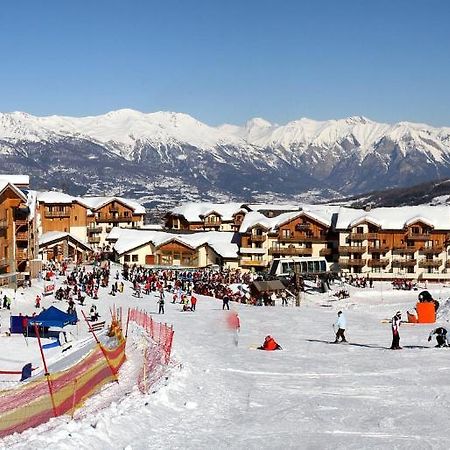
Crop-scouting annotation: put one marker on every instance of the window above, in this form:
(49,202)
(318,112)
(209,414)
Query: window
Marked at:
(126,214)
(134,258)
(360,230)
(126,258)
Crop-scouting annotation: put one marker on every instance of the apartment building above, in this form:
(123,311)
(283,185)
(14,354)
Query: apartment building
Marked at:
(87,219)
(206,217)
(18,239)
(411,242)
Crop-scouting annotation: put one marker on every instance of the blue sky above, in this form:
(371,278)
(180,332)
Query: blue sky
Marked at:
(228,61)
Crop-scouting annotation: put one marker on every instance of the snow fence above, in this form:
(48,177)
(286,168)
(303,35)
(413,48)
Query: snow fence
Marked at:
(157,351)
(61,392)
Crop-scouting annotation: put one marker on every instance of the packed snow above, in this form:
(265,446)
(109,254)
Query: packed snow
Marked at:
(219,395)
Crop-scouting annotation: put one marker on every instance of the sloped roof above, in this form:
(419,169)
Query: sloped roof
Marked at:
(396,218)
(55,236)
(195,212)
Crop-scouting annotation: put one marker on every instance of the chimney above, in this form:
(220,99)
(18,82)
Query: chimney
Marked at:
(368,207)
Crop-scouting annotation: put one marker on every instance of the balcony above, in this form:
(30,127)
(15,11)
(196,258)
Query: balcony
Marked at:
(302,238)
(404,262)
(418,236)
(56,214)
(425,263)
(120,218)
(93,240)
(326,252)
(378,248)
(431,250)
(252,263)
(94,230)
(378,262)
(362,236)
(3,223)
(290,251)
(3,262)
(22,236)
(345,249)
(352,262)
(404,249)
(258,237)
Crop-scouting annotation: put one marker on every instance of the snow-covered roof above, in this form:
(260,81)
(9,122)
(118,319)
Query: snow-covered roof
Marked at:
(271,207)
(52,236)
(98,202)
(396,218)
(195,212)
(54,197)
(93,203)
(221,242)
(5,184)
(20,180)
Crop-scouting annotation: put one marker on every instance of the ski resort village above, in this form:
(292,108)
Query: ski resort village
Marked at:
(212,328)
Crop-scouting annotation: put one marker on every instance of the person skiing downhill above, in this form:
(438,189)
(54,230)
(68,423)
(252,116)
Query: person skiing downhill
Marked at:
(441,336)
(340,325)
(396,321)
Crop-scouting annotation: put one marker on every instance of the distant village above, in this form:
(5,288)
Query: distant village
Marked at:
(383,243)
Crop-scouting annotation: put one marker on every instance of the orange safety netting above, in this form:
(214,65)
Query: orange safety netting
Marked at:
(61,392)
(158,350)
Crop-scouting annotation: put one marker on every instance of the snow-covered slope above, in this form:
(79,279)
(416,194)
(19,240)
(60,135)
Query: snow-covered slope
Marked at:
(349,155)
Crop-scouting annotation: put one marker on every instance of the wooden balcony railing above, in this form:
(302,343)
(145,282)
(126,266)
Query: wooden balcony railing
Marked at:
(22,236)
(362,236)
(345,249)
(301,238)
(3,262)
(353,262)
(21,255)
(258,237)
(430,263)
(326,252)
(404,249)
(383,262)
(419,236)
(52,214)
(290,251)
(118,218)
(3,223)
(93,240)
(431,250)
(404,262)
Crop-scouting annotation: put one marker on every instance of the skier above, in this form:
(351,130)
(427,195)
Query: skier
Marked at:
(225,301)
(340,325)
(93,313)
(441,336)
(270,344)
(37,303)
(161,302)
(396,321)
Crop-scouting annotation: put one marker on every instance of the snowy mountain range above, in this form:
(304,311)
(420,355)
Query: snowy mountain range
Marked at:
(166,157)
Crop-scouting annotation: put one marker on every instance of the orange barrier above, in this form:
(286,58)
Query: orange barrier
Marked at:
(426,312)
(32,404)
(158,350)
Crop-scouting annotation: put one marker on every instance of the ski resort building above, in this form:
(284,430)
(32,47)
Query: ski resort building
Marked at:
(18,237)
(300,233)
(410,242)
(87,219)
(164,249)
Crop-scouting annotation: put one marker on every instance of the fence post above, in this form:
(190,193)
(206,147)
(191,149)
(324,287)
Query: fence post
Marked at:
(128,320)
(47,375)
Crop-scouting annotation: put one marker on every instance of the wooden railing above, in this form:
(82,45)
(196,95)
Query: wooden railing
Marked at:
(300,238)
(429,250)
(290,251)
(362,236)
(94,229)
(378,262)
(22,236)
(352,262)
(252,262)
(3,223)
(404,262)
(326,252)
(258,237)
(93,240)
(51,214)
(430,263)
(378,249)
(352,249)
(404,249)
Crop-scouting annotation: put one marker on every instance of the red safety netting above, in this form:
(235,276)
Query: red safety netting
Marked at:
(61,392)
(158,348)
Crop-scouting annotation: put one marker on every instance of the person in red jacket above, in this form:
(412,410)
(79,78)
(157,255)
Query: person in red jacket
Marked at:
(270,344)
(193,303)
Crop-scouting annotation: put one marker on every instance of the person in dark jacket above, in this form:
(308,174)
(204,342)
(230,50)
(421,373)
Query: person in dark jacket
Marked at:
(225,301)
(396,321)
(441,336)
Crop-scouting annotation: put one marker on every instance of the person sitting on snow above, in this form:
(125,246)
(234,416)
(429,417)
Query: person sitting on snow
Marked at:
(441,336)
(270,344)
